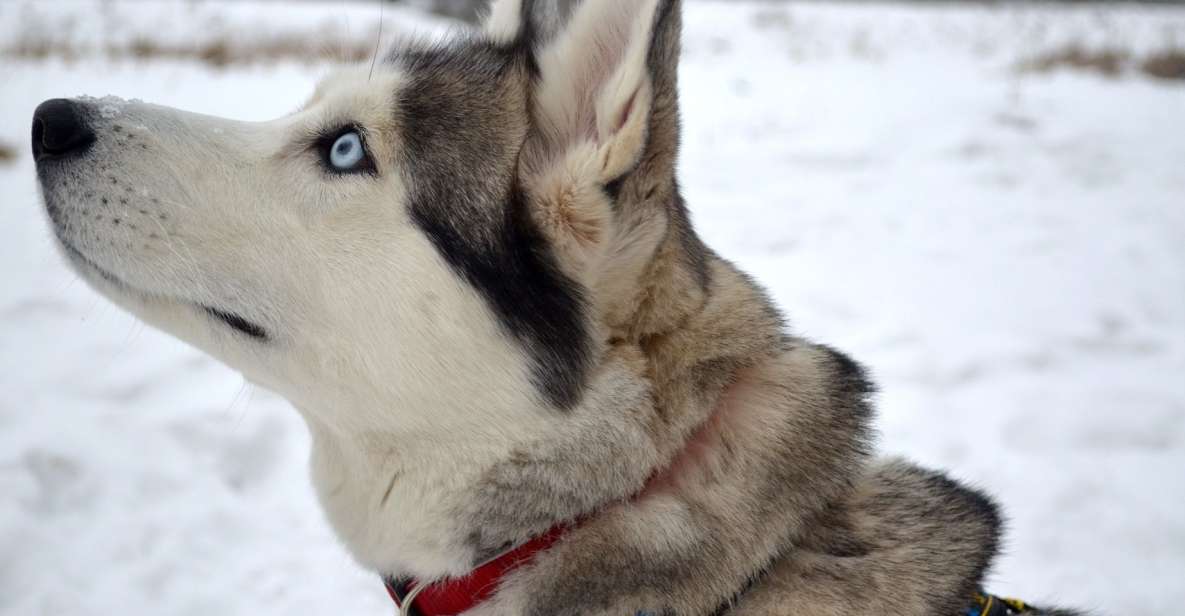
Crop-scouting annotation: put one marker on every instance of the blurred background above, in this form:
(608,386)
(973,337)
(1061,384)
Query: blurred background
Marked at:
(984,202)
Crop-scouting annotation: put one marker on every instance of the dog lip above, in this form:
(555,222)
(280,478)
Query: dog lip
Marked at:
(78,256)
(230,319)
(237,323)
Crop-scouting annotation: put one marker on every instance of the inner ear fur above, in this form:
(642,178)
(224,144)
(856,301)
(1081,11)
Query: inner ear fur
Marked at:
(573,209)
(591,117)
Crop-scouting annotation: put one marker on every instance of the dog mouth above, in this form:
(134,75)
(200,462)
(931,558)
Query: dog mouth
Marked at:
(237,323)
(230,319)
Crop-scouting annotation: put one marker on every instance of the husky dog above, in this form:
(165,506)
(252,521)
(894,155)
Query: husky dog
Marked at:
(473,273)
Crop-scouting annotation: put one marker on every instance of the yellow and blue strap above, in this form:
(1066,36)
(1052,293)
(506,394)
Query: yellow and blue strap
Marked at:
(991,605)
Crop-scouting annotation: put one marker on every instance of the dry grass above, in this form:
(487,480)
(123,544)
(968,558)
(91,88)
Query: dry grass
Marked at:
(1165,64)
(220,53)
(7,153)
(217,53)
(1109,62)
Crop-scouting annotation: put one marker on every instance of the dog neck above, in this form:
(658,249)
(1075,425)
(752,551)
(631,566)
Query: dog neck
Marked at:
(456,595)
(394,498)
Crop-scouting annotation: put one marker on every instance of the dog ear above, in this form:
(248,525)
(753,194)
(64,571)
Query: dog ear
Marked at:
(594,98)
(595,86)
(505,20)
(538,21)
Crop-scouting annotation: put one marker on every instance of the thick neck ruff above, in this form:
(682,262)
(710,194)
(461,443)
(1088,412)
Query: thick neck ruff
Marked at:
(451,597)
(455,596)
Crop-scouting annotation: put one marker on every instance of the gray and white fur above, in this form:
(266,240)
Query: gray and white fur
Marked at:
(501,320)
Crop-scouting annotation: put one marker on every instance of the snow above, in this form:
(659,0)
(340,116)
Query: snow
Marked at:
(1005,251)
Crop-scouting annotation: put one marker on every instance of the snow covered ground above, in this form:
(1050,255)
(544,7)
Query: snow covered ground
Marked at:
(1006,251)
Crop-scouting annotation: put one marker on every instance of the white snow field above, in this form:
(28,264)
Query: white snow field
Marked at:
(1005,251)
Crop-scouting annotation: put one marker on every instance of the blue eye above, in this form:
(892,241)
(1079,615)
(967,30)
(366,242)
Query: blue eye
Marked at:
(343,152)
(347,152)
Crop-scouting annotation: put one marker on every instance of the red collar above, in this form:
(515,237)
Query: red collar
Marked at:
(454,596)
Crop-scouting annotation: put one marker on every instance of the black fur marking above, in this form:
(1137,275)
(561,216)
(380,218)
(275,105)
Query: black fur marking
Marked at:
(238,323)
(613,188)
(849,375)
(697,253)
(665,45)
(979,507)
(976,506)
(528,31)
(536,303)
(522,46)
(459,159)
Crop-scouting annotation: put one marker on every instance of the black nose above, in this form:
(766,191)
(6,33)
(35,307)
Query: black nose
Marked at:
(60,129)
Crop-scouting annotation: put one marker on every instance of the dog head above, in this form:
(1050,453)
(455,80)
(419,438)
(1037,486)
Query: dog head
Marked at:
(454,233)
